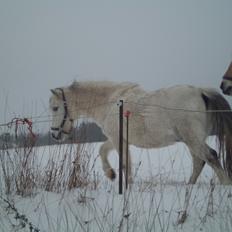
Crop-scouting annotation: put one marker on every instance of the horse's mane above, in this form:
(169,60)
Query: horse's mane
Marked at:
(102,84)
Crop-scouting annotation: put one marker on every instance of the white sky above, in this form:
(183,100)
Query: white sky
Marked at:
(156,43)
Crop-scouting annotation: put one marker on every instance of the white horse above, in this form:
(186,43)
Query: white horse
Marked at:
(226,84)
(159,118)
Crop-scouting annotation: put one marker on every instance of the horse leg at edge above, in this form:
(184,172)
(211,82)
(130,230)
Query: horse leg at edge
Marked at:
(105,148)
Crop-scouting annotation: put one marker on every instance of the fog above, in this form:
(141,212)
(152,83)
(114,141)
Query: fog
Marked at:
(46,44)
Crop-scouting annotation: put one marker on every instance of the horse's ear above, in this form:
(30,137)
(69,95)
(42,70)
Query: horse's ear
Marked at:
(54,92)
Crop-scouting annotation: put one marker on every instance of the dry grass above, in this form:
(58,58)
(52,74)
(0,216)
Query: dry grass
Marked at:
(24,174)
(149,205)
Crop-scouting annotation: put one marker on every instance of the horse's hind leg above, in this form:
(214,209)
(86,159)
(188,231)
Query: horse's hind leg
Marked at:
(202,154)
(198,165)
(209,156)
(104,152)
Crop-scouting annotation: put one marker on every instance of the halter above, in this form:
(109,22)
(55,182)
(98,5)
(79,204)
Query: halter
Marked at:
(60,128)
(227,78)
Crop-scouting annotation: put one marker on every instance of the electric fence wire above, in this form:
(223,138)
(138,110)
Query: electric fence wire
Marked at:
(47,118)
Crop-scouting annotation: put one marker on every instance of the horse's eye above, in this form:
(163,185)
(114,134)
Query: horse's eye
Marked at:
(55,108)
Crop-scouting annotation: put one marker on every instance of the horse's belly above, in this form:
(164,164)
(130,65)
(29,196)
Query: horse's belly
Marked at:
(153,139)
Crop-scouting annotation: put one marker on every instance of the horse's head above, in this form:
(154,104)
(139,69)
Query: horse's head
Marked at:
(226,84)
(62,123)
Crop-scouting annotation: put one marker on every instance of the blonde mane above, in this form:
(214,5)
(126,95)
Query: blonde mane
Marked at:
(101,85)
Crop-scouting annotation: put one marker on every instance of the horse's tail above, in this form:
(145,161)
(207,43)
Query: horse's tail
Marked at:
(220,115)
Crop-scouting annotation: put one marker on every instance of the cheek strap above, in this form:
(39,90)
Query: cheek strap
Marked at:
(60,128)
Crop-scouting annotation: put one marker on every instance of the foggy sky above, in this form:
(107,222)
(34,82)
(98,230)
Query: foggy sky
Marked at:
(157,43)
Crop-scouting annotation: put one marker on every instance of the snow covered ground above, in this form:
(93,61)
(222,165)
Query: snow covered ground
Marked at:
(153,203)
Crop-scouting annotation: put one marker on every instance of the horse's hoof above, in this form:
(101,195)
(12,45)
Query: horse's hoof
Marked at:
(110,173)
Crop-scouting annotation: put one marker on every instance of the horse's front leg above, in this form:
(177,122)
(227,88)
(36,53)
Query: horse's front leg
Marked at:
(105,149)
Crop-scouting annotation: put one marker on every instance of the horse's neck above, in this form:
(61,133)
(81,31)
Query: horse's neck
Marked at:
(92,99)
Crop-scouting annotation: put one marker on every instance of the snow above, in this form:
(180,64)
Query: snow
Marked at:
(152,203)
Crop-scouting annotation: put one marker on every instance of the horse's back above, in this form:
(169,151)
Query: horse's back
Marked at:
(176,97)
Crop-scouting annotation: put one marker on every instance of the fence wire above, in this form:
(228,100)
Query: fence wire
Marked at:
(47,118)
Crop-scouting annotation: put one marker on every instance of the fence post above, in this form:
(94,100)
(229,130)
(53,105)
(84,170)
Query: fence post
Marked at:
(120,146)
